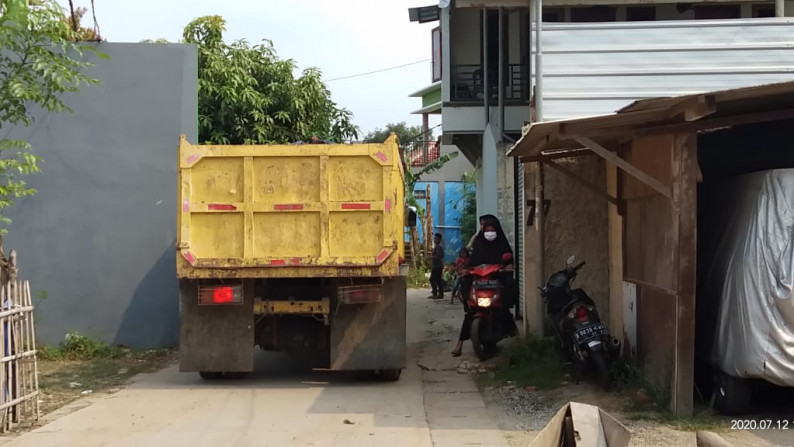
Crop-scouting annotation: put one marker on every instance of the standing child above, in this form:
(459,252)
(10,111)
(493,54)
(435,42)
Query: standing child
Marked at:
(460,265)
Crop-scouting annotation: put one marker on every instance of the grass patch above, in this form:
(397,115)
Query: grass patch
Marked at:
(651,403)
(81,365)
(418,277)
(533,362)
(80,347)
(702,421)
(643,396)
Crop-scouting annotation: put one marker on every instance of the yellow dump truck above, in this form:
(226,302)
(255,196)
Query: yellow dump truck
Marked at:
(297,248)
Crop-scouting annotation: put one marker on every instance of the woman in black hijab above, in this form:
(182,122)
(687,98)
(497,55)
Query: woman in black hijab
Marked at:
(491,243)
(490,247)
(482,220)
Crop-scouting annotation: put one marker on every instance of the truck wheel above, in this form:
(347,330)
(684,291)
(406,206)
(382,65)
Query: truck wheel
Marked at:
(388,375)
(235,375)
(391,375)
(733,394)
(207,375)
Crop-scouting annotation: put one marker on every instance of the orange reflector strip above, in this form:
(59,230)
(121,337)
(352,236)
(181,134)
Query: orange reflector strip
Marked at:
(189,257)
(277,262)
(356,206)
(288,207)
(221,207)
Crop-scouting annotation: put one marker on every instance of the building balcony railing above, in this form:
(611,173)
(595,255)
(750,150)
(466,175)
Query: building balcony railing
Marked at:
(416,158)
(467,82)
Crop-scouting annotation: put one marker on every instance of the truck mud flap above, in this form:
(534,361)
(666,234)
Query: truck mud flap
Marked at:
(215,338)
(372,335)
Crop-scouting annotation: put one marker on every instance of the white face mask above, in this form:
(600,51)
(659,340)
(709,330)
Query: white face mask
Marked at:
(490,236)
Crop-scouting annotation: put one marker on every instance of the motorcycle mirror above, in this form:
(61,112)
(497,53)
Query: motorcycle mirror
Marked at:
(570,261)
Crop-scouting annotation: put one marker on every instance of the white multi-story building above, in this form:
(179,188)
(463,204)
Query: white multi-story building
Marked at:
(484,46)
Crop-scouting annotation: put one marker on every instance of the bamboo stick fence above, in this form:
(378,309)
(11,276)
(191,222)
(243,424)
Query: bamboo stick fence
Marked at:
(19,381)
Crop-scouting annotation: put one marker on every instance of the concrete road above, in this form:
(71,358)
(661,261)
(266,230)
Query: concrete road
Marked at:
(282,406)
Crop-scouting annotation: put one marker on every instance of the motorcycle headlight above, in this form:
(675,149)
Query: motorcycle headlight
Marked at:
(483,302)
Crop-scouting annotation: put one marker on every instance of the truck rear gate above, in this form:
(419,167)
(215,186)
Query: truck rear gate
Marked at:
(254,221)
(290,211)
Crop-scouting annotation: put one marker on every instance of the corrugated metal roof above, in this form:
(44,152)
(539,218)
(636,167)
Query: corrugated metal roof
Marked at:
(700,111)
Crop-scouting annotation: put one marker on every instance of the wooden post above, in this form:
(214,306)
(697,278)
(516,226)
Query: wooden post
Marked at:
(685,223)
(36,406)
(428,228)
(615,256)
(4,390)
(425,143)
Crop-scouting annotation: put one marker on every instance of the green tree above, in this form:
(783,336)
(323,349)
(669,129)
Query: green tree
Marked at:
(247,95)
(409,137)
(36,68)
(84,34)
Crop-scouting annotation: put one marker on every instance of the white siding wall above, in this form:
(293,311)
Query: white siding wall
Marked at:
(597,68)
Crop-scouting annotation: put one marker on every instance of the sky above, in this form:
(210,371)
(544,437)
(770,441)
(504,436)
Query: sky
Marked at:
(342,38)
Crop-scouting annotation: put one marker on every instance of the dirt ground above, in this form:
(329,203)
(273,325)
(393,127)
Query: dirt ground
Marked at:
(64,381)
(522,413)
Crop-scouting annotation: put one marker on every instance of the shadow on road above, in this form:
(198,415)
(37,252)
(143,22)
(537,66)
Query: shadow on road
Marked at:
(352,395)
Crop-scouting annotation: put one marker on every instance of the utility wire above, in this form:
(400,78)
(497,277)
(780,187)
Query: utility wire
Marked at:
(377,71)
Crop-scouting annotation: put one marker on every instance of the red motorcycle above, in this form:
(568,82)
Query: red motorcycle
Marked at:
(486,309)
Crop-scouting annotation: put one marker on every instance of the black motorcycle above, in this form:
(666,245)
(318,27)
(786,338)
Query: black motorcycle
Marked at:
(577,325)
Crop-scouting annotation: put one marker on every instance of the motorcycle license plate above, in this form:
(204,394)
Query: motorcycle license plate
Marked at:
(589,332)
(493,284)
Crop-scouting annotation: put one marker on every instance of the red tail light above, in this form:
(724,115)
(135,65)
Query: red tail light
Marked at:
(581,314)
(223,295)
(220,294)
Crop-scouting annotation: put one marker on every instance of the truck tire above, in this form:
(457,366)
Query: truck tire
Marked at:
(733,394)
(391,375)
(387,375)
(235,375)
(209,375)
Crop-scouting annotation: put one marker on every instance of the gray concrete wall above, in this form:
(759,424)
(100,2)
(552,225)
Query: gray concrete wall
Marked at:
(577,224)
(99,235)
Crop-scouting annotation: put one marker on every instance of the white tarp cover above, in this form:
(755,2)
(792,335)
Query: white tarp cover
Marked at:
(746,229)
